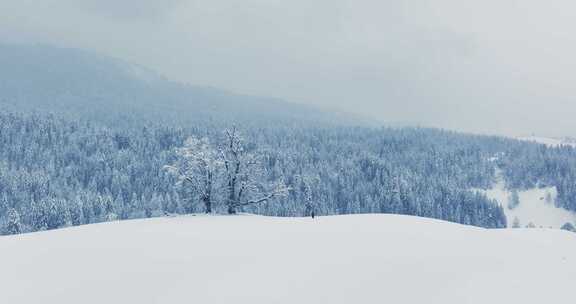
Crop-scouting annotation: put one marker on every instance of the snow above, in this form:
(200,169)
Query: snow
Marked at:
(254,259)
(534,207)
(551,142)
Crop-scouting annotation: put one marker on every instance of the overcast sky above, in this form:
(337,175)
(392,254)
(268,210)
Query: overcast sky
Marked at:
(491,66)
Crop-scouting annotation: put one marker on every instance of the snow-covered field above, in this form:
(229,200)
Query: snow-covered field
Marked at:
(536,206)
(253,259)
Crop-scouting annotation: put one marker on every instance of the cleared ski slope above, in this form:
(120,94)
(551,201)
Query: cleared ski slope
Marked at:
(253,259)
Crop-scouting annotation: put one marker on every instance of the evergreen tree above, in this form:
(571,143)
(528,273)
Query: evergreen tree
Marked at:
(513,200)
(516,223)
(568,227)
(14,226)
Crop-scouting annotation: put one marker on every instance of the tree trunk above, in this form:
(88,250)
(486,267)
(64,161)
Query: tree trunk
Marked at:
(232,196)
(208,205)
(231,209)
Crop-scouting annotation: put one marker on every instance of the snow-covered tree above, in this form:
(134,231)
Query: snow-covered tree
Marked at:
(13,226)
(109,212)
(568,227)
(306,184)
(75,210)
(549,199)
(153,206)
(198,165)
(230,171)
(516,222)
(513,200)
(243,171)
(57,215)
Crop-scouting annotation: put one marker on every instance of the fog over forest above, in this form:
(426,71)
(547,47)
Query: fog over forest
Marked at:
(498,67)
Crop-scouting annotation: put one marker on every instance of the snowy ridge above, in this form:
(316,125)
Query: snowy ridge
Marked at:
(254,259)
(551,142)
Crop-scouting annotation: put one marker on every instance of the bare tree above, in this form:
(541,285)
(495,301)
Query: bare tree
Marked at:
(198,165)
(243,175)
(230,171)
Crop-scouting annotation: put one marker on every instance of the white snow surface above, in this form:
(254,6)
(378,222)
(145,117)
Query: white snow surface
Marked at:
(533,207)
(254,259)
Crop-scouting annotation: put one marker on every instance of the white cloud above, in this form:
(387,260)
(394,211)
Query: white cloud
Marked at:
(489,66)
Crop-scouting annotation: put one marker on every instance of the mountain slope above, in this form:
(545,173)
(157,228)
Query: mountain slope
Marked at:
(536,206)
(81,82)
(252,259)
(551,142)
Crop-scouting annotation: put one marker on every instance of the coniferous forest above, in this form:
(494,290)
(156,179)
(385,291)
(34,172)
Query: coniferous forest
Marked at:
(76,153)
(57,172)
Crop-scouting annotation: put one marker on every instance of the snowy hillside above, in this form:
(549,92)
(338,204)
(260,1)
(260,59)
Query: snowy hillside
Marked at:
(551,142)
(535,206)
(252,259)
(95,86)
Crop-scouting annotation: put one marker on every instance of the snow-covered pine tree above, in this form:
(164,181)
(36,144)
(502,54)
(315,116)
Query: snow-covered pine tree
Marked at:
(14,226)
(513,200)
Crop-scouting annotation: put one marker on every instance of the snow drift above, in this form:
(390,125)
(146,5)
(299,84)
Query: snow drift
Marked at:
(254,259)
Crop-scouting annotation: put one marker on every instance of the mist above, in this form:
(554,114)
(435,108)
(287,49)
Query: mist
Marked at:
(497,67)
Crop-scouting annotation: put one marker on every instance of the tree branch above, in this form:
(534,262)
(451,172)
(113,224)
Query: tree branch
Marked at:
(278,192)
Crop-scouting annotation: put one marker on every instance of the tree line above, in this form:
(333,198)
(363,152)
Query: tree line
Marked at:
(58,171)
